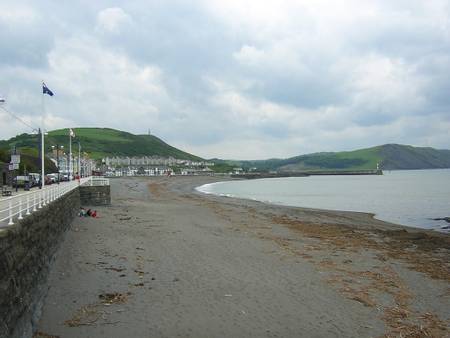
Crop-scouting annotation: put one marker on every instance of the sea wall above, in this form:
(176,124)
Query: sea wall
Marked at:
(95,195)
(26,252)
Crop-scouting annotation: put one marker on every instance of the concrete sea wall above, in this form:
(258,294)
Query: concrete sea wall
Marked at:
(26,251)
(95,195)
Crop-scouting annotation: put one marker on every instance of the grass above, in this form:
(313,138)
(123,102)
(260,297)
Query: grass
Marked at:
(347,160)
(100,134)
(369,156)
(101,142)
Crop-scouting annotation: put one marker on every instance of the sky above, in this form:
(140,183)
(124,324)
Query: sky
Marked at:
(232,79)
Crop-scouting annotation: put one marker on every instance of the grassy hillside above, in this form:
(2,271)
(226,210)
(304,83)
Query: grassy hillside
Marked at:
(389,157)
(348,160)
(101,142)
(361,159)
(397,156)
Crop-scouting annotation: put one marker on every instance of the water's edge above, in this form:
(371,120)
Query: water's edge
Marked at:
(206,189)
(199,189)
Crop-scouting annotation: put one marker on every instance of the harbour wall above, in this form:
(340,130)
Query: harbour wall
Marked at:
(307,173)
(95,195)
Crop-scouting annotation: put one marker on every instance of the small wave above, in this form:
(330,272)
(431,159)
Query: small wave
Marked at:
(206,188)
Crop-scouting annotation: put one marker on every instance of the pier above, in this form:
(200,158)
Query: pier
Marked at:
(308,173)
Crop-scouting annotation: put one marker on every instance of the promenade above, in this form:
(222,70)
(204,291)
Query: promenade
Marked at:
(22,191)
(22,203)
(164,261)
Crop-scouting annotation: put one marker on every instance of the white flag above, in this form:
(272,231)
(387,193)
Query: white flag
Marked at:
(72,134)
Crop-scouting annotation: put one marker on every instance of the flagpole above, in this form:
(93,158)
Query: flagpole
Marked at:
(79,160)
(42,141)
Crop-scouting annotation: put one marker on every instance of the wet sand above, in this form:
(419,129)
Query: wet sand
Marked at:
(165,261)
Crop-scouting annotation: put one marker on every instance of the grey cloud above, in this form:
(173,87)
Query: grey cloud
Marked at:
(374,117)
(305,84)
(25,44)
(304,92)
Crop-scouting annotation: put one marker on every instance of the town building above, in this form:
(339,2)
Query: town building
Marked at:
(62,162)
(153,166)
(5,174)
(118,161)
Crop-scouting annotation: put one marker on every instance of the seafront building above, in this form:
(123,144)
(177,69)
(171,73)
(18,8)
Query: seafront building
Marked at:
(116,161)
(5,174)
(153,166)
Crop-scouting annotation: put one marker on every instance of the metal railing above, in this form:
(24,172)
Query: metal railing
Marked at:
(19,206)
(97,181)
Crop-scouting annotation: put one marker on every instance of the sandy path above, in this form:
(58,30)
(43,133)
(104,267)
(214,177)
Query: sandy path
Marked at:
(172,263)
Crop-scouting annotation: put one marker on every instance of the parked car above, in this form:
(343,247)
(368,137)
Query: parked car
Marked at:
(21,181)
(53,177)
(35,179)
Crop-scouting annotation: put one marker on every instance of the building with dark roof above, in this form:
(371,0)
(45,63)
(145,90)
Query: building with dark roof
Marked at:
(5,174)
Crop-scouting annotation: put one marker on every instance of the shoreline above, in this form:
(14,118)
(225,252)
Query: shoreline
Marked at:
(181,262)
(440,228)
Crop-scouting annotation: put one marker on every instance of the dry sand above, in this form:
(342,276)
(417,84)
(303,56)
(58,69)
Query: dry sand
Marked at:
(164,261)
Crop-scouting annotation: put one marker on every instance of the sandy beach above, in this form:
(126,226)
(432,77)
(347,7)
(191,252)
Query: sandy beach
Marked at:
(166,261)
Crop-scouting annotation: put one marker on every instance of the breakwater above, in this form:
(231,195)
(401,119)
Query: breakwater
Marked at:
(416,198)
(308,173)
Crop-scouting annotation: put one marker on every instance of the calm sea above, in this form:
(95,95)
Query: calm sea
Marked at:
(408,197)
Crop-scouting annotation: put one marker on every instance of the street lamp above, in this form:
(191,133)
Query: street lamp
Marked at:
(79,161)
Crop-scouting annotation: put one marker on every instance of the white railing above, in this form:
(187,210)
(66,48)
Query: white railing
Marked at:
(19,206)
(97,180)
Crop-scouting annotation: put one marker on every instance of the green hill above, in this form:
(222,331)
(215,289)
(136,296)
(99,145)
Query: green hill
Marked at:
(29,161)
(389,157)
(101,142)
(395,156)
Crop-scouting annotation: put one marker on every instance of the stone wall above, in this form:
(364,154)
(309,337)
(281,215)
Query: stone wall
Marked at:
(26,251)
(95,195)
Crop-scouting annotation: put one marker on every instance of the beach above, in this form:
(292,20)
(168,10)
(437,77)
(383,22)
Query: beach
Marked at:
(164,260)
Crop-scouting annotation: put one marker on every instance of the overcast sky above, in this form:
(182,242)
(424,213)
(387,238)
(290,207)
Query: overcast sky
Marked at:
(233,79)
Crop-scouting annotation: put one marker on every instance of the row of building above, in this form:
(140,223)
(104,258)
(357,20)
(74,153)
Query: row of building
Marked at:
(155,171)
(118,161)
(153,166)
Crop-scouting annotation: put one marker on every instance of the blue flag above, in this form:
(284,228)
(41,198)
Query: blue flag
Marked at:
(45,90)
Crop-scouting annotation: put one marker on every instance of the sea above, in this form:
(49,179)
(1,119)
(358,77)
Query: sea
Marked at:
(407,197)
